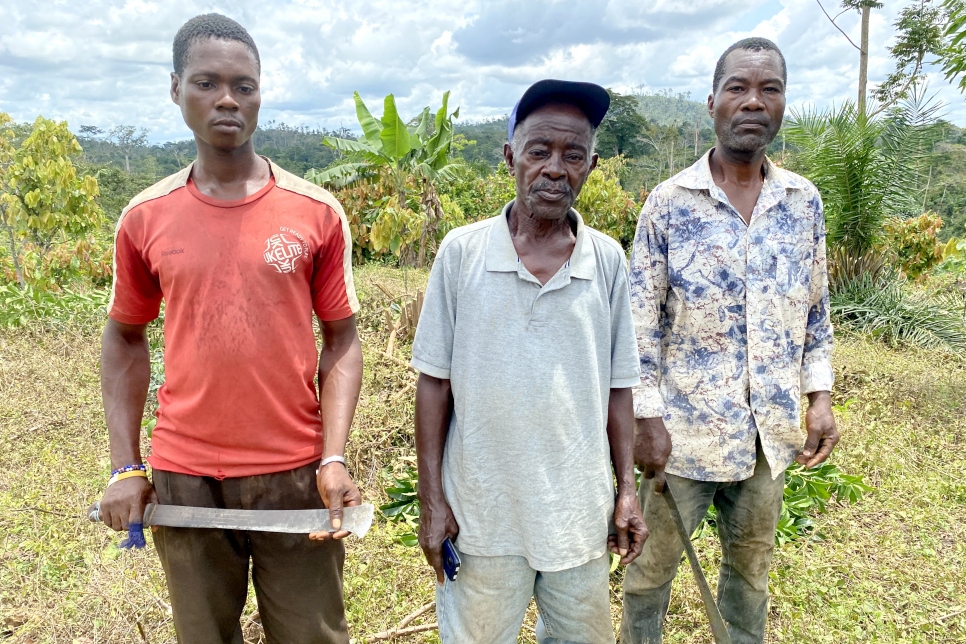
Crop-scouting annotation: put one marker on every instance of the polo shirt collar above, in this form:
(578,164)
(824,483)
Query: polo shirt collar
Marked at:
(501,256)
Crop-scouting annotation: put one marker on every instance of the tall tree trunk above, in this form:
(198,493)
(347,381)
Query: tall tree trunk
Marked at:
(695,136)
(16,259)
(864,59)
(127,164)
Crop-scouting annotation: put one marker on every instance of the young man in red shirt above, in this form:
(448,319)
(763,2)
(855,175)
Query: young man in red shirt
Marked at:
(242,253)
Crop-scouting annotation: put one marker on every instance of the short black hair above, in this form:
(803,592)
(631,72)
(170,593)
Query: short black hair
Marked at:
(748,44)
(210,25)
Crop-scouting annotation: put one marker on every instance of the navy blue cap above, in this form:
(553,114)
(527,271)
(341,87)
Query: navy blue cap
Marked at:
(593,100)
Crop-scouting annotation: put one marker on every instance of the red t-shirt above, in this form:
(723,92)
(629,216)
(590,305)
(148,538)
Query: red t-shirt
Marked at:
(240,280)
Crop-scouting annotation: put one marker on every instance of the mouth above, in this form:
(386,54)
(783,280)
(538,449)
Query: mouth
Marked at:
(227,124)
(756,125)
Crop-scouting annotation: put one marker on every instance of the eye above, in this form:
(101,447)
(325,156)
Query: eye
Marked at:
(205,84)
(575,158)
(246,89)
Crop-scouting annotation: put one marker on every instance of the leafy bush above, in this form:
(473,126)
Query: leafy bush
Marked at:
(807,493)
(403,506)
(481,193)
(605,205)
(915,242)
(22,307)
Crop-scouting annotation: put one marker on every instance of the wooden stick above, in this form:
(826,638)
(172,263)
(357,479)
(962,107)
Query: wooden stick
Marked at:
(408,620)
(384,290)
(401,632)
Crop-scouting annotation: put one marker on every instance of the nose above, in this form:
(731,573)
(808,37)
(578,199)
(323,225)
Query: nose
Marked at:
(554,168)
(753,101)
(227,101)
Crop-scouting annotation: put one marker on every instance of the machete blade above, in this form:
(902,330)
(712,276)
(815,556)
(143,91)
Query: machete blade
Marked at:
(356,519)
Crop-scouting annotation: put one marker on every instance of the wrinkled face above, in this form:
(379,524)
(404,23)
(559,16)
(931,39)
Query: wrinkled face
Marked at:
(550,159)
(218,92)
(748,107)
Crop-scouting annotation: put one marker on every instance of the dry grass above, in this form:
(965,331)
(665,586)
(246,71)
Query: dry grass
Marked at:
(891,568)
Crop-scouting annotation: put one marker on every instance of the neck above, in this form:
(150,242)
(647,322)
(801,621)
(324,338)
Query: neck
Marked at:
(227,166)
(742,168)
(524,223)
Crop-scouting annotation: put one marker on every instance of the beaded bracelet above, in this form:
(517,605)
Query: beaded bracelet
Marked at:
(129,468)
(126,475)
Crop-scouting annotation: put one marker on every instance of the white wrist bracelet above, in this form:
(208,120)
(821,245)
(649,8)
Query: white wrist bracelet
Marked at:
(332,459)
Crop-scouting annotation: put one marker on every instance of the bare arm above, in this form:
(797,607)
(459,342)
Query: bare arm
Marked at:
(125,376)
(340,380)
(631,531)
(434,404)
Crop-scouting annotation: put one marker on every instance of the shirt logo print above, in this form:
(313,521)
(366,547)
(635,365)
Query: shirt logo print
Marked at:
(283,252)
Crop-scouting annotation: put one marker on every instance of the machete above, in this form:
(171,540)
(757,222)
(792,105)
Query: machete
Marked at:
(718,629)
(356,518)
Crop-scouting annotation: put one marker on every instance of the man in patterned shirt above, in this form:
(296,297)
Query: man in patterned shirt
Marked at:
(730,295)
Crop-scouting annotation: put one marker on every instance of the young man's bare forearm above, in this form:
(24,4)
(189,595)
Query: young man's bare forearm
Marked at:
(620,435)
(434,400)
(340,381)
(125,377)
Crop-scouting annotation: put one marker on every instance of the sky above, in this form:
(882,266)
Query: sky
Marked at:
(107,62)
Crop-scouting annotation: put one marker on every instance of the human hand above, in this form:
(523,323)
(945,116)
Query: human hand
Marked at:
(124,501)
(436,524)
(631,530)
(337,490)
(652,447)
(822,432)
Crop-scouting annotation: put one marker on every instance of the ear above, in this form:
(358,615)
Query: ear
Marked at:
(175,89)
(711,106)
(593,162)
(508,156)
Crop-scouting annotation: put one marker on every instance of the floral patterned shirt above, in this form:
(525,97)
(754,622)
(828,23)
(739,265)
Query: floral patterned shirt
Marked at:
(732,320)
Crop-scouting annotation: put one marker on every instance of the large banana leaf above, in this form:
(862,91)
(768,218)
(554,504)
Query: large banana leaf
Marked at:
(371,128)
(339,176)
(348,145)
(394,135)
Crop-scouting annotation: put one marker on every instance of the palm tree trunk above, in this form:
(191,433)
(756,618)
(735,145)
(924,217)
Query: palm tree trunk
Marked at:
(864,59)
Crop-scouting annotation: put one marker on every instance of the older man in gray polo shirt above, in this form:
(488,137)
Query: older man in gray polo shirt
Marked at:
(527,355)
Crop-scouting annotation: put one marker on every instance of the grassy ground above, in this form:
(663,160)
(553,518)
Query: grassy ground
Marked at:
(889,569)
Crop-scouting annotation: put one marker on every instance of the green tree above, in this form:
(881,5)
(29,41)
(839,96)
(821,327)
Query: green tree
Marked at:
(953,58)
(42,198)
(618,133)
(418,154)
(864,7)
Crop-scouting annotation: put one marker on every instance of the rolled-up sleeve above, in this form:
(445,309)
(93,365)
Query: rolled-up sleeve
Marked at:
(648,291)
(816,372)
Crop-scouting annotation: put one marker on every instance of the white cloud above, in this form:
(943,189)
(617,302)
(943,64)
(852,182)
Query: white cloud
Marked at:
(106,62)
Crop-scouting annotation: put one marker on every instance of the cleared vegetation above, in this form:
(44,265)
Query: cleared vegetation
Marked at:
(891,568)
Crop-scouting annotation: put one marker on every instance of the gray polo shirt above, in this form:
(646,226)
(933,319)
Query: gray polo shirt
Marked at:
(526,467)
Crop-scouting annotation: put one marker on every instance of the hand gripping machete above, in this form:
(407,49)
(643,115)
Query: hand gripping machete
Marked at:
(718,629)
(356,518)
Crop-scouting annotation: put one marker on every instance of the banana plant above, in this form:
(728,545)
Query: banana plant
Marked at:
(420,153)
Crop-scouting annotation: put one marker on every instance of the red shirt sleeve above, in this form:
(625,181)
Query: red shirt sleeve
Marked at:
(331,272)
(136,295)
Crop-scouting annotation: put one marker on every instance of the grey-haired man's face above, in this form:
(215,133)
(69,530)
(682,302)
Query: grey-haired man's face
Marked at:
(551,158)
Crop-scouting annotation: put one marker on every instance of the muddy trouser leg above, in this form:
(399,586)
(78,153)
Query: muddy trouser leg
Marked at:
(748,513)
(206,570)
(647,583)
(298,582)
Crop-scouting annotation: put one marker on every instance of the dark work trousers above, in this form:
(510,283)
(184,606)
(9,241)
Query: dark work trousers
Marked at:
(298,582)
(748,513)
